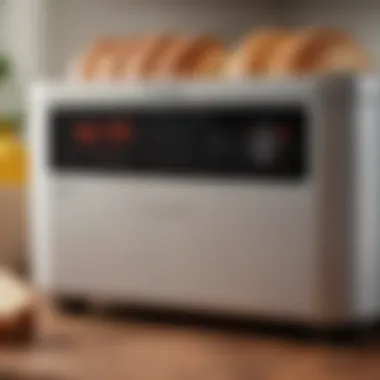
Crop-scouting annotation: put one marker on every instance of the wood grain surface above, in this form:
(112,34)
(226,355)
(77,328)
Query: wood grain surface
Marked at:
(68,347)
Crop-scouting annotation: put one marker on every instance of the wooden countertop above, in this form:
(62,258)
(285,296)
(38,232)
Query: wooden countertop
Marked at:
(71,347)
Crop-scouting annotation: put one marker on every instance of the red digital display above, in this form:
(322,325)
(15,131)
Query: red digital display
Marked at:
(85,134)
(264,143)
(119,132)
(89,134)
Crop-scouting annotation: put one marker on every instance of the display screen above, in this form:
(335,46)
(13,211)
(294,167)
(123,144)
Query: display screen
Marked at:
(89,134)
(266,142)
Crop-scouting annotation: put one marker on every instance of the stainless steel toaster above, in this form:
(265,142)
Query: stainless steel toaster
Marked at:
(256,198)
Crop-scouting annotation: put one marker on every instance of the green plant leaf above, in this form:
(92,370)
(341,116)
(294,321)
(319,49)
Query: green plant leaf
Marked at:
(4,68)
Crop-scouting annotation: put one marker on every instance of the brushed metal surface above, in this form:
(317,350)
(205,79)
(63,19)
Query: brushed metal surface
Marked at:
(366,202)
(215,245)
(335,113)
(283,249)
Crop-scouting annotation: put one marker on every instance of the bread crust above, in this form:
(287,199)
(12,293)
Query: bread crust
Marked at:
(19,327)
(18,310)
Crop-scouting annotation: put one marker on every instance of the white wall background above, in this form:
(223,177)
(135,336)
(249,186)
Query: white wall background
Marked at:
(44,35)
(79,21)
(21,38)
(359,17)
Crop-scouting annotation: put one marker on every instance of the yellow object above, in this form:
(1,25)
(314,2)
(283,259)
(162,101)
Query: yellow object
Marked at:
(13,160)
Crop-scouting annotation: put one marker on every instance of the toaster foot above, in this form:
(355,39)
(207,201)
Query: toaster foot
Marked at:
(359,334)
(71,305)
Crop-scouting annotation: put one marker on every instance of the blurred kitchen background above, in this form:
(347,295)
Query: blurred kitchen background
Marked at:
(43,36)
(39,39)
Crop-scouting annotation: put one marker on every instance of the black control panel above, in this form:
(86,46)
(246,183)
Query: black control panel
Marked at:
(214,141)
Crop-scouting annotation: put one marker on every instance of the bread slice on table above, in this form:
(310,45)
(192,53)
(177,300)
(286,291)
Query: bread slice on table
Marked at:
(143,63)
(318,51)
(252,55)
(184,58)
(17,309)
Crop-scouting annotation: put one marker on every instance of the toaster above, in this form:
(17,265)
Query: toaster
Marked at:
(254,199)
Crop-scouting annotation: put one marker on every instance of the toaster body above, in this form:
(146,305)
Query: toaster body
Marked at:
(251,199)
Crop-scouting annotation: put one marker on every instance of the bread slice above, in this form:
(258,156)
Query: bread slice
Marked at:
(162,65)
(111,65)
(143,62)
(183,58)
(342,58)
(252,55)
(17,309)
(318,50)
(85,67)
(211,64)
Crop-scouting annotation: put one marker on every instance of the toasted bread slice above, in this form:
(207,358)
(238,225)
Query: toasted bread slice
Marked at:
(86,66)
(211,64)
(318,50)
(143,62)
(183,59)
(111,66)
(343,58)
(252,56)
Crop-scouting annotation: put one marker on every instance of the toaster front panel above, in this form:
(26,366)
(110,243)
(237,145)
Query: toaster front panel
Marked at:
(228,142)
(216,245)
(210,208)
